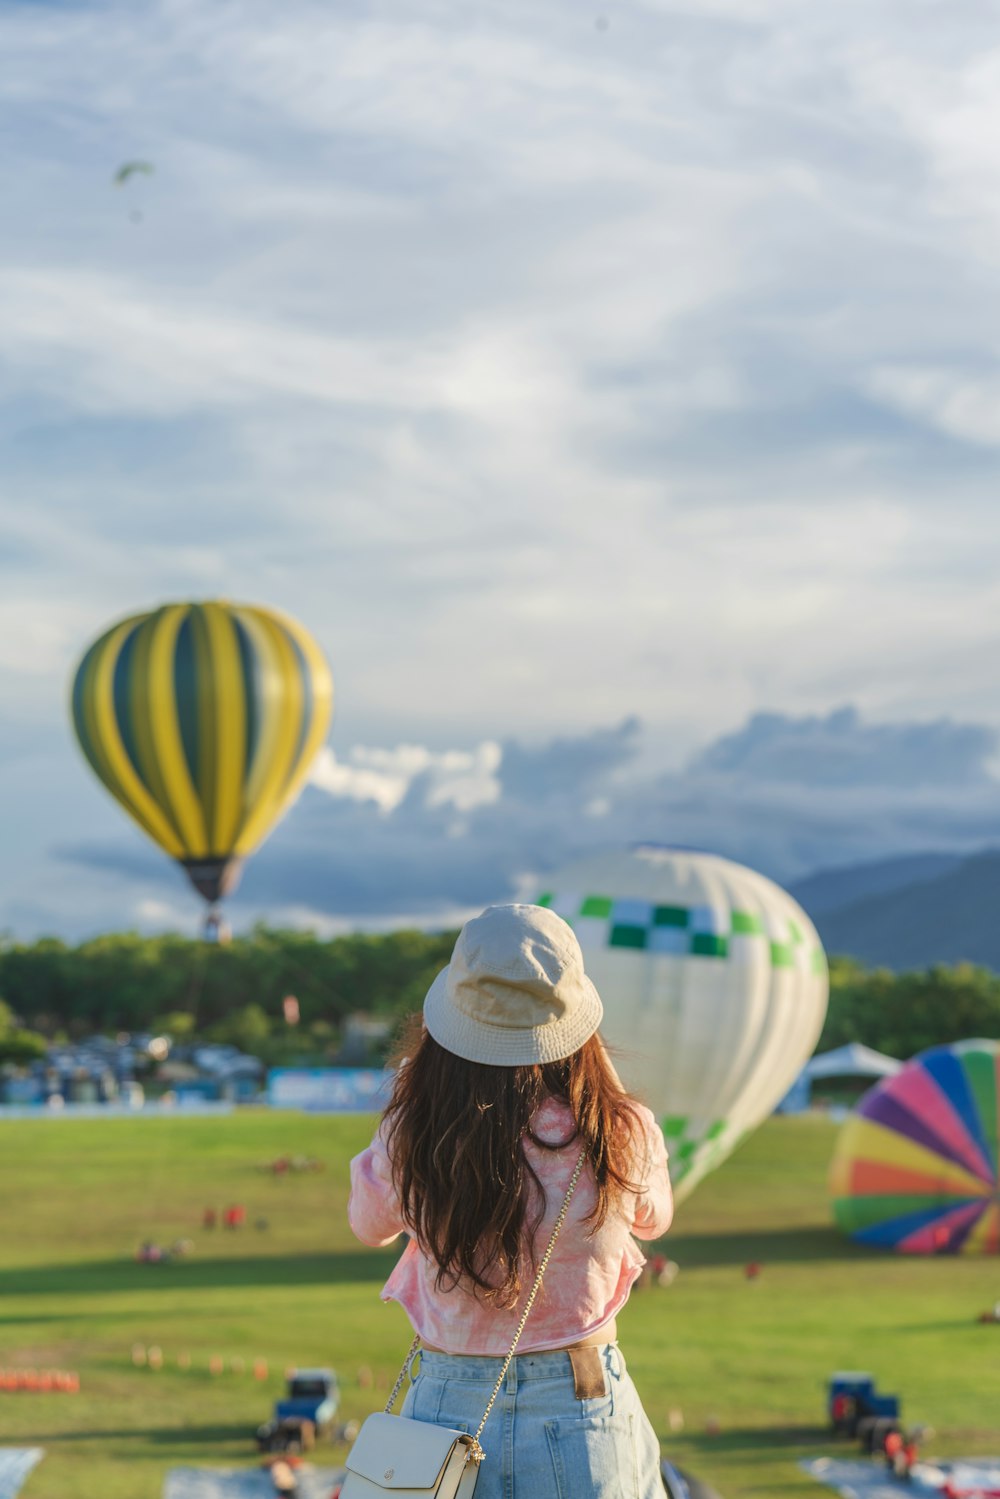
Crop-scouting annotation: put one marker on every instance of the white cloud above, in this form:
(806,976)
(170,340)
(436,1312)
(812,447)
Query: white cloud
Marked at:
(158,914)
(99,343)
(34,637)
(962,403)
(452,778)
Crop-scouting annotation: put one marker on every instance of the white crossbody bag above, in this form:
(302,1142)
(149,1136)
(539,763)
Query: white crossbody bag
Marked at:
(394,1457)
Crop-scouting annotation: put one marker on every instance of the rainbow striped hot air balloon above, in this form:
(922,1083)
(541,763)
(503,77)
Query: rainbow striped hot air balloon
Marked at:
(916,1164)
(202,720)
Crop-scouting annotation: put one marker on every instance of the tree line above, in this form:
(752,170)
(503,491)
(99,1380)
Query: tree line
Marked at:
(233,993)
(903,1013)
(195,990)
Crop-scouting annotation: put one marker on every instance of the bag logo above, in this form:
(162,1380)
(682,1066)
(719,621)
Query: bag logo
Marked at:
(388,1474)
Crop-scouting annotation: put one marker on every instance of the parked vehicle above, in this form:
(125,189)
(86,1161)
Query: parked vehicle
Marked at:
(304,1413)
(313,1394)
(286,1434)
(856,1408)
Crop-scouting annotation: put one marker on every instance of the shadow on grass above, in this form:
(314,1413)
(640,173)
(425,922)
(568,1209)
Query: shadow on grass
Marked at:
(767,1246)
(760,1441)
(66,1319)
(30,1319)
(103,1277)
(361,1266)
(954,1324)
(165,1436)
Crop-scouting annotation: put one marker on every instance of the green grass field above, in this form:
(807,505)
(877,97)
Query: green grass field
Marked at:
(79,1196)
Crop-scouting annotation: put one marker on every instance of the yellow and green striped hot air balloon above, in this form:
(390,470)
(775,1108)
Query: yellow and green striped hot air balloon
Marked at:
(203,721)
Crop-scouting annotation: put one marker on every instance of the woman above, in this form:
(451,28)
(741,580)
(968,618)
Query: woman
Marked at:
(506,1084)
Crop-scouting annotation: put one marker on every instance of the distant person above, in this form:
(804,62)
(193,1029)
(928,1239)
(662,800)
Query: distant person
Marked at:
(284,1480)
(842,1410)
(506,1094)
(668,1274)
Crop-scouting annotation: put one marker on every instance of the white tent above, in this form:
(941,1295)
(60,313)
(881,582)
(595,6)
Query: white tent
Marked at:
(852,1060)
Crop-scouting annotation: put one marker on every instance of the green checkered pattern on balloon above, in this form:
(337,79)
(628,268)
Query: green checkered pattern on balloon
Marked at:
(686,1151)
(688,931)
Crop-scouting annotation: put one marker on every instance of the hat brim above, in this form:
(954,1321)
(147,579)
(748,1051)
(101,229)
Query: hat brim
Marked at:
(505,1046)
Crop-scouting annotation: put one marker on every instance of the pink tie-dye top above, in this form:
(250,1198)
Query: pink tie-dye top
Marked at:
(588,1278)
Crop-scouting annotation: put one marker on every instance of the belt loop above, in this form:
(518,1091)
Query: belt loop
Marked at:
(511,1380)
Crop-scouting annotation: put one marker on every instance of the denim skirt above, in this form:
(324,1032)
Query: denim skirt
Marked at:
(541,1441)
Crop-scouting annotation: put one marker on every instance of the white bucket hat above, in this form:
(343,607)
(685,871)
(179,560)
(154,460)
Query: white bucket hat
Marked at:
(514,993)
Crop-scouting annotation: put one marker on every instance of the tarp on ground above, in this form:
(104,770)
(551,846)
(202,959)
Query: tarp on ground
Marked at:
(870,1480)
(246,1483)
(15,1465)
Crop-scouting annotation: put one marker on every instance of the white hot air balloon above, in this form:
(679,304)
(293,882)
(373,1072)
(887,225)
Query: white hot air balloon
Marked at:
(714,985)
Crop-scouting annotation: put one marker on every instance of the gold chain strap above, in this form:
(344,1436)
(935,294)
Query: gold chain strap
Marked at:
(476,1453)
(402,1375)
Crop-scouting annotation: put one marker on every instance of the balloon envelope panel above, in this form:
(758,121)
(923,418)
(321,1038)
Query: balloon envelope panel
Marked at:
(916,1165)
(202,720)
(714,985)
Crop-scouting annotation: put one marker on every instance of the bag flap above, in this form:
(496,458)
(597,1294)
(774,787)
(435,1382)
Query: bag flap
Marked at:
(397,1453)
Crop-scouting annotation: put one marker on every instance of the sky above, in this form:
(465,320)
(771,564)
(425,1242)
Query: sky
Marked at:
(613,391)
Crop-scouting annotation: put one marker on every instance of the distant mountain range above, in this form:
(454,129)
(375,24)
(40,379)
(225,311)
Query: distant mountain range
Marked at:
(909,912)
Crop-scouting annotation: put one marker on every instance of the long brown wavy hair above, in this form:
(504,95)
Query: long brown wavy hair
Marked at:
(455,1133)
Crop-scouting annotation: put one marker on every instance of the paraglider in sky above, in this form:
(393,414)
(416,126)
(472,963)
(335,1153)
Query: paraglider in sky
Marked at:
(203,720)
(130,168)
(124,177)
(916,1164)
(714,985)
